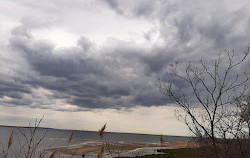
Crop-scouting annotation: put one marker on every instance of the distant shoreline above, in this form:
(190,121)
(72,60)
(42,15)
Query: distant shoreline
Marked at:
(10,126)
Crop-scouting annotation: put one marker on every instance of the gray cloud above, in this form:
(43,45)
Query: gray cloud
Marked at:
(114,5)
(119,74)
(157,62)
(74,75)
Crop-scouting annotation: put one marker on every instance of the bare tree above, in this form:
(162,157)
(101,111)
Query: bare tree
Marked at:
(32,142)
(25,142)
(211,89)
(243,104)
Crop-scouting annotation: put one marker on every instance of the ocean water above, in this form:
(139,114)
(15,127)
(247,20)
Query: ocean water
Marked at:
(52,138)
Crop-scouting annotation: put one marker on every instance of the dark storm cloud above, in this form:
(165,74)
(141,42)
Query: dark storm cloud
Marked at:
(158,61)
(45,60)
(82,80)
(223,32)
(142,8)
(114,5)
(152,99)
(212,24)
(13,89)
(122,74)
(145,8)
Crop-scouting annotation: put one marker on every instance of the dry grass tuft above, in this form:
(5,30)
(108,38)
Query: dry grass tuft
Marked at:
(101,151)
(10,140)
(53,154)
(71,137)
(102,130)
(162,139)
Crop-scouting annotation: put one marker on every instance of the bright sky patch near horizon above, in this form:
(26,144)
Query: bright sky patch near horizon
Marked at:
(87,62)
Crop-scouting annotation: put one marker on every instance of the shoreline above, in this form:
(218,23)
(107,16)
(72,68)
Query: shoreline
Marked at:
(117,147)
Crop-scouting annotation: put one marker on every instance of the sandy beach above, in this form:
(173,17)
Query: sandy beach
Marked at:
(118,147)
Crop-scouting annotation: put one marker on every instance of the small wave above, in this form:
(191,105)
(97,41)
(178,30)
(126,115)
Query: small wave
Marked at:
(78,145)
(57,138)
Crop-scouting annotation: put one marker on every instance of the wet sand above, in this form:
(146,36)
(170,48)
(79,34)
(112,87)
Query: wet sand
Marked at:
(116,146)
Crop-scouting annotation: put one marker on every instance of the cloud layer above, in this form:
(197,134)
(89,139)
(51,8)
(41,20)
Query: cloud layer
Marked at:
(110,56)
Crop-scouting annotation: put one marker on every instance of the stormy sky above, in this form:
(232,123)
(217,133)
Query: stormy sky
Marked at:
(100,59)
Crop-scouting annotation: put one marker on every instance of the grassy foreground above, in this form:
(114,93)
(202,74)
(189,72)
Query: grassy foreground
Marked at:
(174,153)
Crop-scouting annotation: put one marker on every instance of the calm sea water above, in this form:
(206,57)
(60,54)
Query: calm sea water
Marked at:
(59,138)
